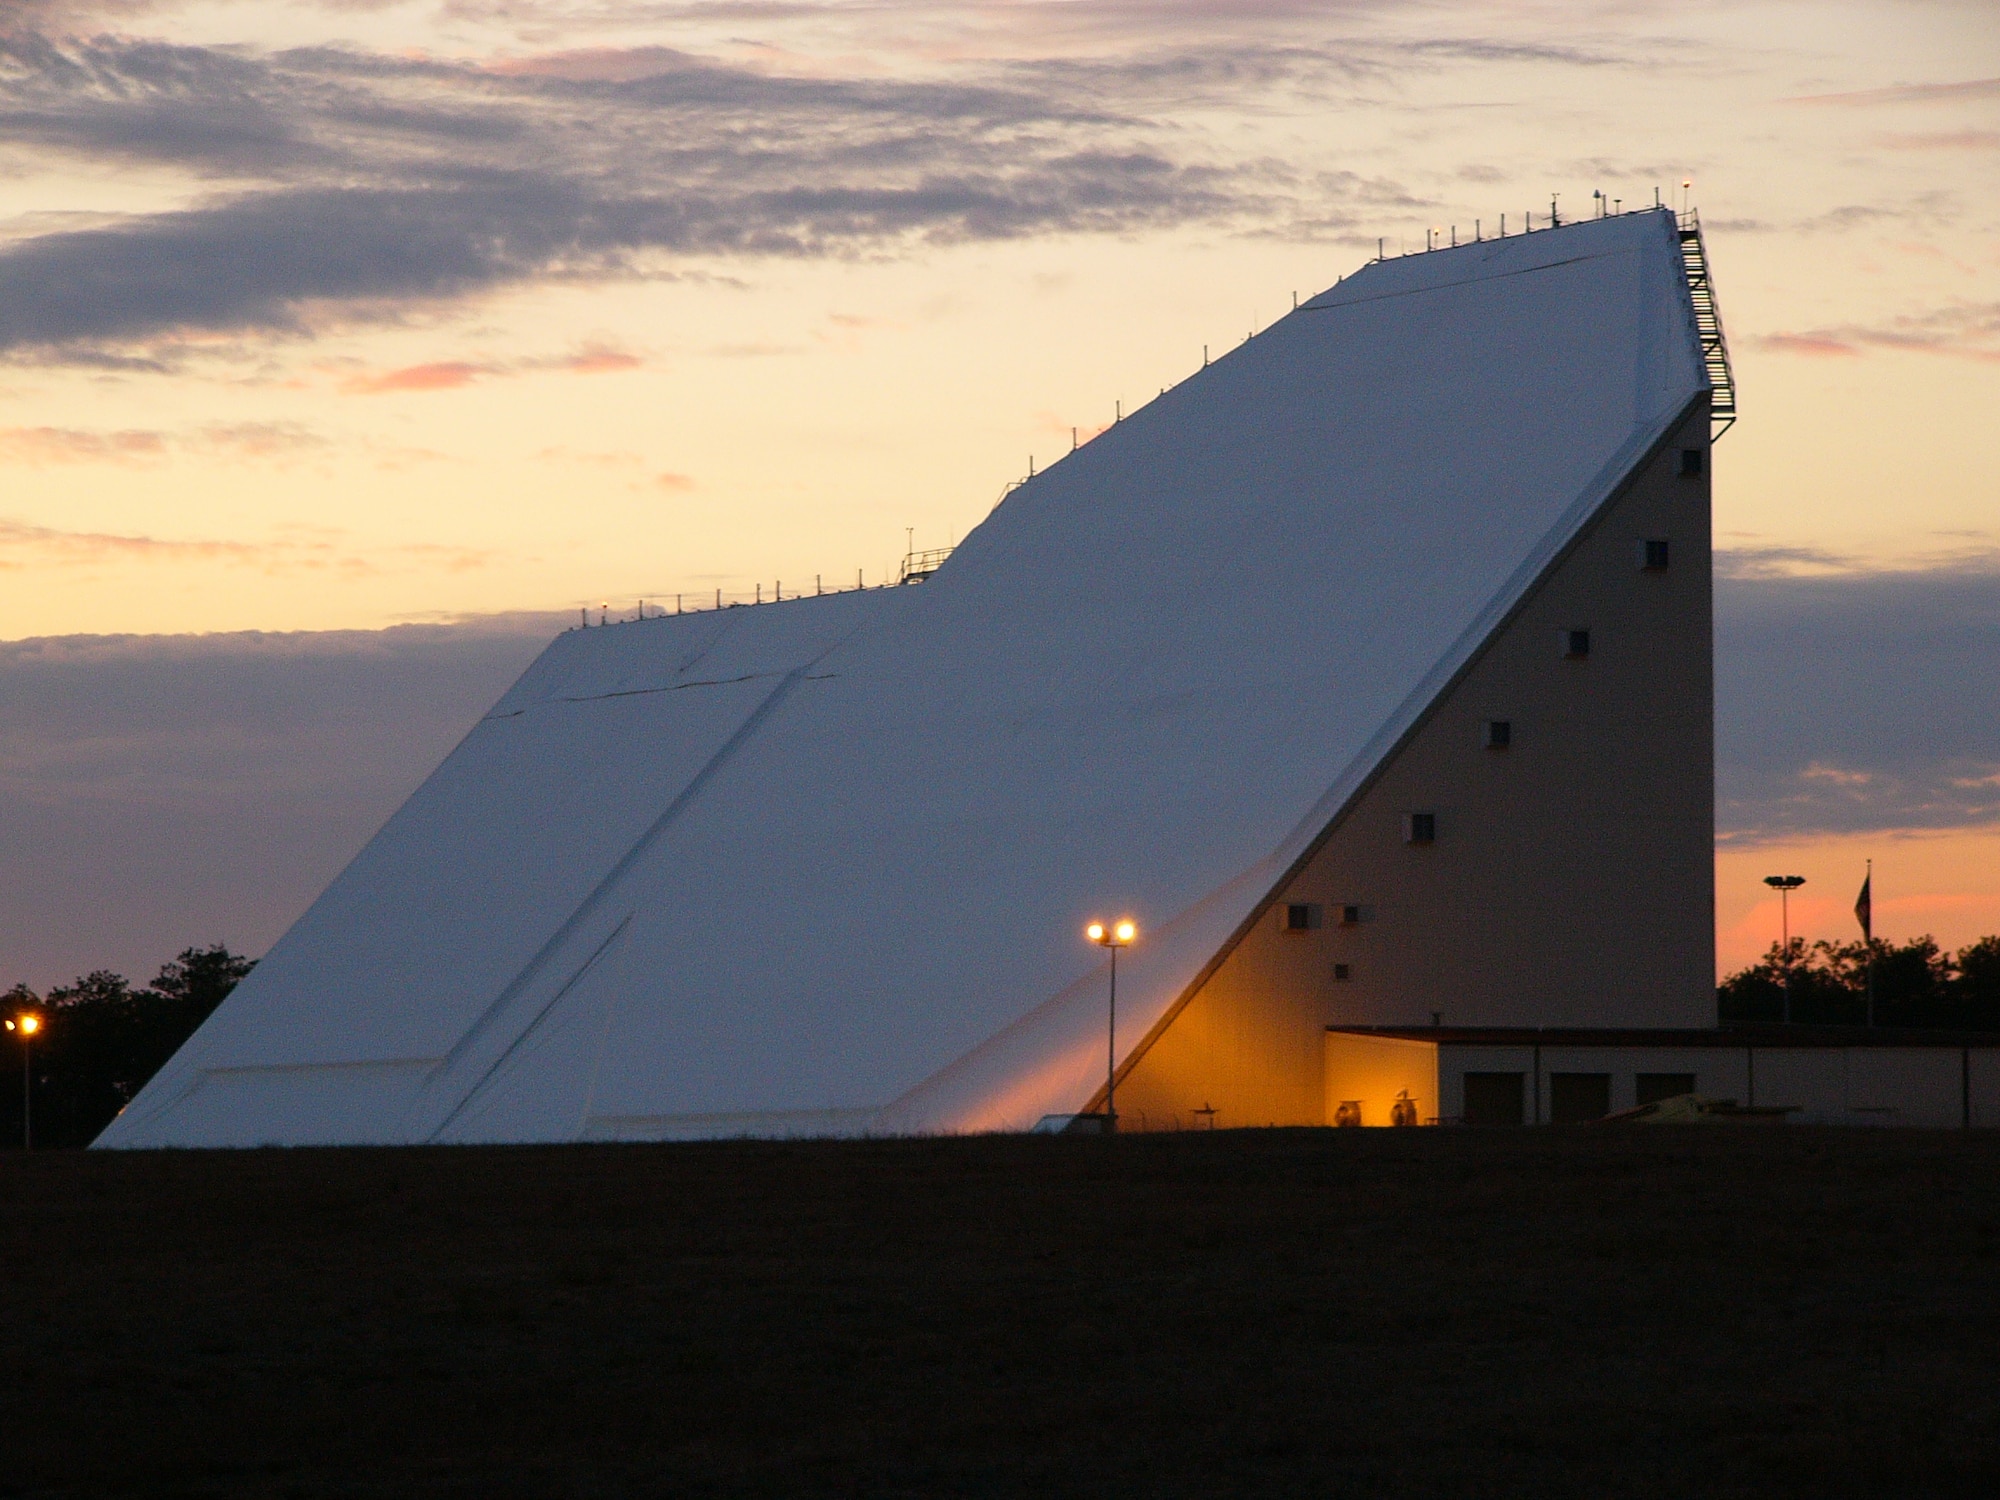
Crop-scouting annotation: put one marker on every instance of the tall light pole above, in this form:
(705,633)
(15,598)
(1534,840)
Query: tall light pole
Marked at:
(1114,937)
(27,1023)
(1784,885)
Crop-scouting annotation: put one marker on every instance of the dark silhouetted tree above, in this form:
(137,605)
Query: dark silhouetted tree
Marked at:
(104,1040)
(1916,984)
(1979,983)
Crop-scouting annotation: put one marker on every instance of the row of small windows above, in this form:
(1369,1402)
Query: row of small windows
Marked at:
(1655,554)
(1308,916)
(1494,734)
(1305,916)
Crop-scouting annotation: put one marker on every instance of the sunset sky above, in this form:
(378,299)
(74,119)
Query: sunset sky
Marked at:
(323,317)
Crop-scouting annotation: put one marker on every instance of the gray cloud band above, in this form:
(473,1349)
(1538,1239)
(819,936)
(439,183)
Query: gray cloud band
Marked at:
(375,182)
(207,787)
(1851,702)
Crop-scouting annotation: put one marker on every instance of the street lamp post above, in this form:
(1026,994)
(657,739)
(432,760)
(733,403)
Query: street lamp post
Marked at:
(1784,885)
(27,1024)
(1115,936)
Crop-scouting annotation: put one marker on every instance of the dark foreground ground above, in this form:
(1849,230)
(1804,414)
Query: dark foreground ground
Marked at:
(1714,1311)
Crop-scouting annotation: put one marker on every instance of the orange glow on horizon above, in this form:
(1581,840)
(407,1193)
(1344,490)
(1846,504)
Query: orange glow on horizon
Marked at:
(1942,883)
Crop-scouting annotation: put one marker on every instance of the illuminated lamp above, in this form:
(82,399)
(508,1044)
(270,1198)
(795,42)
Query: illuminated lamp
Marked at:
(1118,935)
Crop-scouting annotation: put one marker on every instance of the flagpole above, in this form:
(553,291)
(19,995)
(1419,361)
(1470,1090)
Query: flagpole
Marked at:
(1868,937)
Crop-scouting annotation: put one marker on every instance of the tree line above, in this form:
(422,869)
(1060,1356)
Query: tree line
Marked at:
(1915,984)
(104,1038)
(101,1039)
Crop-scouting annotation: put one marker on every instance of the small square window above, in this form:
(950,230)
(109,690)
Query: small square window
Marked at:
(1341,971)
(1693,463)
(1350,916)
(1298,916)
(1653,554)
(1420,828)
(1498,734)
(1576,644)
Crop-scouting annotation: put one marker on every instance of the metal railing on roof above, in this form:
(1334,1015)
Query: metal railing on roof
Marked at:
(700,601)
(917,566)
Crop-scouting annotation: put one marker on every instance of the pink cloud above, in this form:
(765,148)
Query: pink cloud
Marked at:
(1820,344)
(601,361)
(76,445)
(674,481)
(445,375)
(1946,140)
(1913,93)
(25,545)
(1965,330)
(19,539)
(452,374)
(596,64)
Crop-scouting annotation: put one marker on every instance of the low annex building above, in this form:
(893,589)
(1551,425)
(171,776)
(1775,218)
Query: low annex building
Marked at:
(1820,1075)
(1368,669)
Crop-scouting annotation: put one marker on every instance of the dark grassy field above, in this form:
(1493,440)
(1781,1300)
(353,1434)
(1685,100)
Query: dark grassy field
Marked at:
(1747,1311)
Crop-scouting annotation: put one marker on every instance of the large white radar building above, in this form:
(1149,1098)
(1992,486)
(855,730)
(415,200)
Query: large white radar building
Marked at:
(1366,670)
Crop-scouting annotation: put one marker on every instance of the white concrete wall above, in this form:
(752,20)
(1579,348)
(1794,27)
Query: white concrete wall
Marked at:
(1915,1086)
(1866,1085)
(1720,1073)
(1983,1070)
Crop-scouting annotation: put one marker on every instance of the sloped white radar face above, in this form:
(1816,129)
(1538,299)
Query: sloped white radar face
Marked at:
(822,866)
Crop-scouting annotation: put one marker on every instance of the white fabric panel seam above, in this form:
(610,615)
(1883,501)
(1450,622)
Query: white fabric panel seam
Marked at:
(1320,304)
(631,857)
(562,992)
(675,687)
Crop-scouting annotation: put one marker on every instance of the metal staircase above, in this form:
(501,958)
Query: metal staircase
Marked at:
(1708,324)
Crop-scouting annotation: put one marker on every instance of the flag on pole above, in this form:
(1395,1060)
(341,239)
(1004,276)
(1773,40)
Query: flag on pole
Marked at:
(1864,905)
